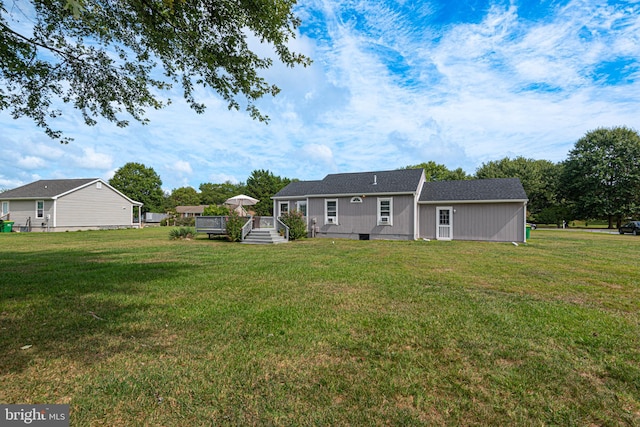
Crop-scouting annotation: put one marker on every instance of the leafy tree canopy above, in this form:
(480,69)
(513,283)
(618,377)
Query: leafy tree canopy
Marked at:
(262,185)
(539,178)
(215,210)
(602,174)
(140,183)
(109,56)
(183,196)
(437,172)
(216,194)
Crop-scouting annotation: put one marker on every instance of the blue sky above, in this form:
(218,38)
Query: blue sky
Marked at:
(393,83)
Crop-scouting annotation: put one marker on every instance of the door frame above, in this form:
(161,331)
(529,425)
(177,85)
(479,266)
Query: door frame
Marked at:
(449,227)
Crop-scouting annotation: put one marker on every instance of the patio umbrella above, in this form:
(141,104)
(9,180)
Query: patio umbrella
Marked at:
(240,201)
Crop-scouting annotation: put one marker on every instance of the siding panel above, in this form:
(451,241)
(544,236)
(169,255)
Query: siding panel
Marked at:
(93,207)
(355,219)
(22,210)
(499,222)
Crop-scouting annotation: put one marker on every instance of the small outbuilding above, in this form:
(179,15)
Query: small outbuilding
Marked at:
(69,205)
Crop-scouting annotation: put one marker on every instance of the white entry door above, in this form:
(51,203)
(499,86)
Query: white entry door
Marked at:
(444,223)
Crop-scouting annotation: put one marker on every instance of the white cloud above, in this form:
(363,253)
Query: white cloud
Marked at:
(182,166)
(90,159)
(31,163)
(318,152)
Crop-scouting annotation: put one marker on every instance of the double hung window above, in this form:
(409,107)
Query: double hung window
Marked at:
(40,209)
(385,211)
(331,211)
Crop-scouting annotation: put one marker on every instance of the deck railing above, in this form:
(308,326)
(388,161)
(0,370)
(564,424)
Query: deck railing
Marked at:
(246,228)
(282,226)
(211,224)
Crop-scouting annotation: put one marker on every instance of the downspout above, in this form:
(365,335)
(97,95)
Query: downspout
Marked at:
(525,222)
(55,212)
(416,223)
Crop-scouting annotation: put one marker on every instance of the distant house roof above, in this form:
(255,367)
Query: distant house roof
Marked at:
(191,209)
(46,188)
(496,189)
(54,188)
(380,182)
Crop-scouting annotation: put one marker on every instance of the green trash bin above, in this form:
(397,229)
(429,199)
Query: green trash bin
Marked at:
(528,231)
(7,226)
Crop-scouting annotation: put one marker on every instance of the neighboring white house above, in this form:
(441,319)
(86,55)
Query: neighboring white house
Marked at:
(68,205)
(400,204)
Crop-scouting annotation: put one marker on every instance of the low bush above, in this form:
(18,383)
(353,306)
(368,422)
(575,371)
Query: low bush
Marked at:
(297,226)
(234,226)
(182,233)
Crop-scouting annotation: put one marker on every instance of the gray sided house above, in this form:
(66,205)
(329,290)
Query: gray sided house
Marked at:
(68,205)
(481,209)
(401,205)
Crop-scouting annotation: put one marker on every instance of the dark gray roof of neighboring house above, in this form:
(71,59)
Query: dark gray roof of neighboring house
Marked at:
(45,188)
(473,190)
(394,181)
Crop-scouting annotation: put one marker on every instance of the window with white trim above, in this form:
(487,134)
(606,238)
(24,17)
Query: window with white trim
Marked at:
(5,209)
(385,211)
(283,208)
(331,211)
(356,199)
(302,207)
(40,209)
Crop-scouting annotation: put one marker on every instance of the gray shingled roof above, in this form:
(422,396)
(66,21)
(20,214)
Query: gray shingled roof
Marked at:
(45,188)
(394,181)
(299,188)
(473,190)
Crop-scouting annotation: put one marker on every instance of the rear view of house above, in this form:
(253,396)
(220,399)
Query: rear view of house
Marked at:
(401,205)
(364,205)
(68,205)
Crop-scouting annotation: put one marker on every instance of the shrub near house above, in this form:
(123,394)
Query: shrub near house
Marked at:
(296,223)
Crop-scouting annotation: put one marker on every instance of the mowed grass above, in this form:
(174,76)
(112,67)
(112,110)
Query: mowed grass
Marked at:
(131,328)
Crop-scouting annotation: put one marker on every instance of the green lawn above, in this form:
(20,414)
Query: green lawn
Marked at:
(131,328)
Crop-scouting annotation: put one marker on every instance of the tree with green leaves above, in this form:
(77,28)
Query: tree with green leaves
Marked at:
(106,57)
(140,183)
(601,175)
(539,179)
(183,196)
(216,210)
(437,172)
(216,194)
(262,185)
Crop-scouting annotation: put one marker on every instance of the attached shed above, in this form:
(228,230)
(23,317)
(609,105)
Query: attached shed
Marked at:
(483,209)
(69,205)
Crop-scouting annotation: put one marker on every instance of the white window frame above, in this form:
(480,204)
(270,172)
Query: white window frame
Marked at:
(299,205)
(280,205)
(388,215)
(39,214)
(5,209)
(356,199)
(327,219)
